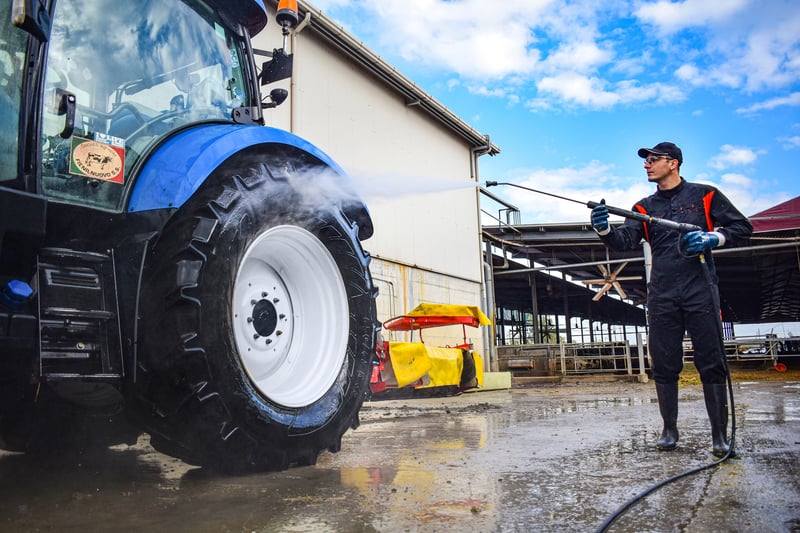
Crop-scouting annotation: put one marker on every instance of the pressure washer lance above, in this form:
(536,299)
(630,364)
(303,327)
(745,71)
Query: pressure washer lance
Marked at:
(682,228)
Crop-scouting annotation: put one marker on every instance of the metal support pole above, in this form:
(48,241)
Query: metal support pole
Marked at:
(567,317)
(628,363)
(640,349)
(534,308)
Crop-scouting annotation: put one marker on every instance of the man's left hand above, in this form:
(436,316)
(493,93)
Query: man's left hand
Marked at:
(697,241)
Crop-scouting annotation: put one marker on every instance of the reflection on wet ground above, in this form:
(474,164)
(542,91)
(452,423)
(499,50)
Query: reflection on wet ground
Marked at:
(547,458)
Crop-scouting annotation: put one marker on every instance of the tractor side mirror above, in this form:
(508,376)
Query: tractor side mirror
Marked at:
(277,97)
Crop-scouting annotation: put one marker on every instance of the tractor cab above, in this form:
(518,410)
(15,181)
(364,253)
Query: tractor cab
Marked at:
(110,97)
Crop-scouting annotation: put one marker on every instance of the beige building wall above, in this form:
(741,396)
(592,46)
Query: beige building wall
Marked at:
(415,174)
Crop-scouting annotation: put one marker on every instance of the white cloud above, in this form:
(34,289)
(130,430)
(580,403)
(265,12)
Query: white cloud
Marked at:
(464,36)
(580,56)
(578,89)
(737,180)
(690,74)
(608,54)
(483,90)
(790,142)
(741,44)
(733,156)
(594,92)
(670,17)
(662,93)
(780,101)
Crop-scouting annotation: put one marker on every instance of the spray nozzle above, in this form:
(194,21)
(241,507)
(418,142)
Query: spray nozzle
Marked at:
(491,183)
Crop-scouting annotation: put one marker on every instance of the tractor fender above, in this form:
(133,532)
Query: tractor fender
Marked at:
(183,162)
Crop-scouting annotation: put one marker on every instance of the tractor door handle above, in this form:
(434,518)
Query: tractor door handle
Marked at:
(66,103)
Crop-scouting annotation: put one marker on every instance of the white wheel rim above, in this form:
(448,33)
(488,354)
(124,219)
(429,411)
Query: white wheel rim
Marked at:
(290,316)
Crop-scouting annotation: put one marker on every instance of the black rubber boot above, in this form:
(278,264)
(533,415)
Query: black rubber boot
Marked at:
(668,406)
(716,396)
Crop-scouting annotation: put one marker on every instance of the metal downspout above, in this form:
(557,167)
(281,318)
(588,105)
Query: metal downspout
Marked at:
(293,83)
(490,363)
(475,153)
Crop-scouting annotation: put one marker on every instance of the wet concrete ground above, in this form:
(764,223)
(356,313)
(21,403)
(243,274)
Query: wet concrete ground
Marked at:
(544,458)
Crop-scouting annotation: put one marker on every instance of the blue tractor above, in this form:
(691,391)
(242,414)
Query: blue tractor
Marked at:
(168,264)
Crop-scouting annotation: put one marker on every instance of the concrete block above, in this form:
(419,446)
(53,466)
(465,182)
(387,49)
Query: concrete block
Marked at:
(496,381)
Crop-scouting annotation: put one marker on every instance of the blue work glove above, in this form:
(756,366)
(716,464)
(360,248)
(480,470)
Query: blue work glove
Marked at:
(600,218)
(697,241)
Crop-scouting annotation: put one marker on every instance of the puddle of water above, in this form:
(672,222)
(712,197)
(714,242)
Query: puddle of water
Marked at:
(543,460)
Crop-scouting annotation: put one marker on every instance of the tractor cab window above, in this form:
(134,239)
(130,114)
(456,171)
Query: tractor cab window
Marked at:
(12,59)
(120,77)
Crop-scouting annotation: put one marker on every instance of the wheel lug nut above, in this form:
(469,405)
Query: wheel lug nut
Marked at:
(281,316)
(278,332)
(275,300)
(256,336)
(269,341)
(249,320)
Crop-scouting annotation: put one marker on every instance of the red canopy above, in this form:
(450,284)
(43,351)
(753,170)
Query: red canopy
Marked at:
(409,323)
(783,216)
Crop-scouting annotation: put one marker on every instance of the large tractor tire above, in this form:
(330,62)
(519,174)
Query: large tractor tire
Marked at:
(257,320)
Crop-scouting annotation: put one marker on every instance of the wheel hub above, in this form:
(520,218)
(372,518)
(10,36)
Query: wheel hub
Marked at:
(264,318)
(267,317)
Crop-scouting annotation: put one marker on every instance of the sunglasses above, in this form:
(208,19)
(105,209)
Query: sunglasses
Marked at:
(652,159)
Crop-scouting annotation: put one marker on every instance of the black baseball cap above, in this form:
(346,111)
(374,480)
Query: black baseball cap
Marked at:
(666,148)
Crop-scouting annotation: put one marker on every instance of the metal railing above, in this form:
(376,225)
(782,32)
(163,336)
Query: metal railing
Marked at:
(574,358)
(621,357)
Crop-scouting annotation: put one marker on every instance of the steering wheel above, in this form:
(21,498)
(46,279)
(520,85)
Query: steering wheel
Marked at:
(146,126)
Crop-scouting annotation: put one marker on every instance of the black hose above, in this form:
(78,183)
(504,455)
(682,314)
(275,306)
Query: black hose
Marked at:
(627,505)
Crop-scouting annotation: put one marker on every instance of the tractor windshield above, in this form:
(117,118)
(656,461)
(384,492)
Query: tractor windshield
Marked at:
(126,74)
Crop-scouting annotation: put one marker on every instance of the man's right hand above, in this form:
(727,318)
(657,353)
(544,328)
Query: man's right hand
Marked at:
(600,218)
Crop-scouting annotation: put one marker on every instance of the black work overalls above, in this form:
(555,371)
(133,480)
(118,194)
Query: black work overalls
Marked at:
(680,295)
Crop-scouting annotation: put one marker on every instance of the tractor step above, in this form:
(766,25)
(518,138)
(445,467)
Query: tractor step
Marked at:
(79,330)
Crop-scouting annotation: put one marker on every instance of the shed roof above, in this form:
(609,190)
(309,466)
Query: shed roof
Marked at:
(781,217)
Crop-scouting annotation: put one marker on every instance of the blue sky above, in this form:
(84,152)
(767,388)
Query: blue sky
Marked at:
(569,90)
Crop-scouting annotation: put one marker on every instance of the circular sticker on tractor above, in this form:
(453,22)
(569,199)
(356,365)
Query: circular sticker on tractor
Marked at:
(96,160)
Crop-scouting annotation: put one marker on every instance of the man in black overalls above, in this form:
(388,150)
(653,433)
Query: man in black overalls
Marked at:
(679,293)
